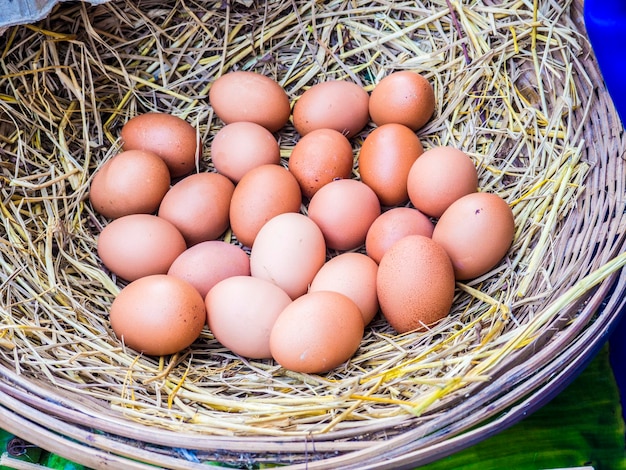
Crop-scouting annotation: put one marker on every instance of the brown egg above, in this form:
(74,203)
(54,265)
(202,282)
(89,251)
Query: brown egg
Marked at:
(335,104)
(198,206)
(170,137)
(476,231)
(415,283)
(320,157)
(205,264)
(241,312)
(344,210)
(158,315)
(403,97)
(262,193)
(385,159)
(289,250)
(391,226)
(241,146)
(132,182)
(137,245)
(317,332)
(250,96)
(440,176)
(353,275)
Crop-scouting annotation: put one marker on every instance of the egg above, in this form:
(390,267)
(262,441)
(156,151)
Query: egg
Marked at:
(353,275)
(440,176)
(250,96)
(289,250)
(262,193)
(476,231)
(132,182)
(158,315)
(199,206)
(241,312)
(319,157)
(344,210)
(205,264)
(170,137)
(241,146)
(336,104)
(385,159)
(403,97)
(391,226)
(137,245)
(415,283)
(317,332)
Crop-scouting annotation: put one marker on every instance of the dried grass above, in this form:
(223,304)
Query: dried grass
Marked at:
(516,89)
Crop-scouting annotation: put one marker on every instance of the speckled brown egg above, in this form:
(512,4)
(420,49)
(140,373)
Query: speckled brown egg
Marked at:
(403,97)
(207,263)
(250,96)
(353,275)
(415,283)
(198,206)
(336,104)
(137,245)
(440,176)
(385,159)
(132,182)
(320,157)
(241,146)
(344,210)
(476,231)
(391,226)
(262,193)
(241,312)
(158,315)
(170,137)
(317,332)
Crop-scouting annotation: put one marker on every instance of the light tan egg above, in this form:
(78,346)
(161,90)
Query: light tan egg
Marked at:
(289,250)
(354,275)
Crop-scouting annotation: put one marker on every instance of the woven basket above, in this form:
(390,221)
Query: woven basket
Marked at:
(69,83)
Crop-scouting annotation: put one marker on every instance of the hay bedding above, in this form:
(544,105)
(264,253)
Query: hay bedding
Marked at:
(516,89)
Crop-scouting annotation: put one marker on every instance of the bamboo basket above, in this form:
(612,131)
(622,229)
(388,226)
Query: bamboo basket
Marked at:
(517,89)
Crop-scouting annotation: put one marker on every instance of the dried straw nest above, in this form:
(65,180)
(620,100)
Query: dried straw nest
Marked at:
(516,89)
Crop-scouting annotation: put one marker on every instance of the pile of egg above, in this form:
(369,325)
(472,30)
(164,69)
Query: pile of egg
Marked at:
(320,251)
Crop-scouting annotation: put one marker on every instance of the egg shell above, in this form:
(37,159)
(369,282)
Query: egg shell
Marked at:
(158,315)
(138,245)
(476,231)
(319,157)
(205,264)
(440,176)
(385,159)
(241,312)
(250,96)
(241,146)
(415,283)
(317,332)
(263,193)
(344,210)
(403,97)
(336,104)
(132,182)
(170,137)
(198,206)
(391,226)
(288,251)
(353,275)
